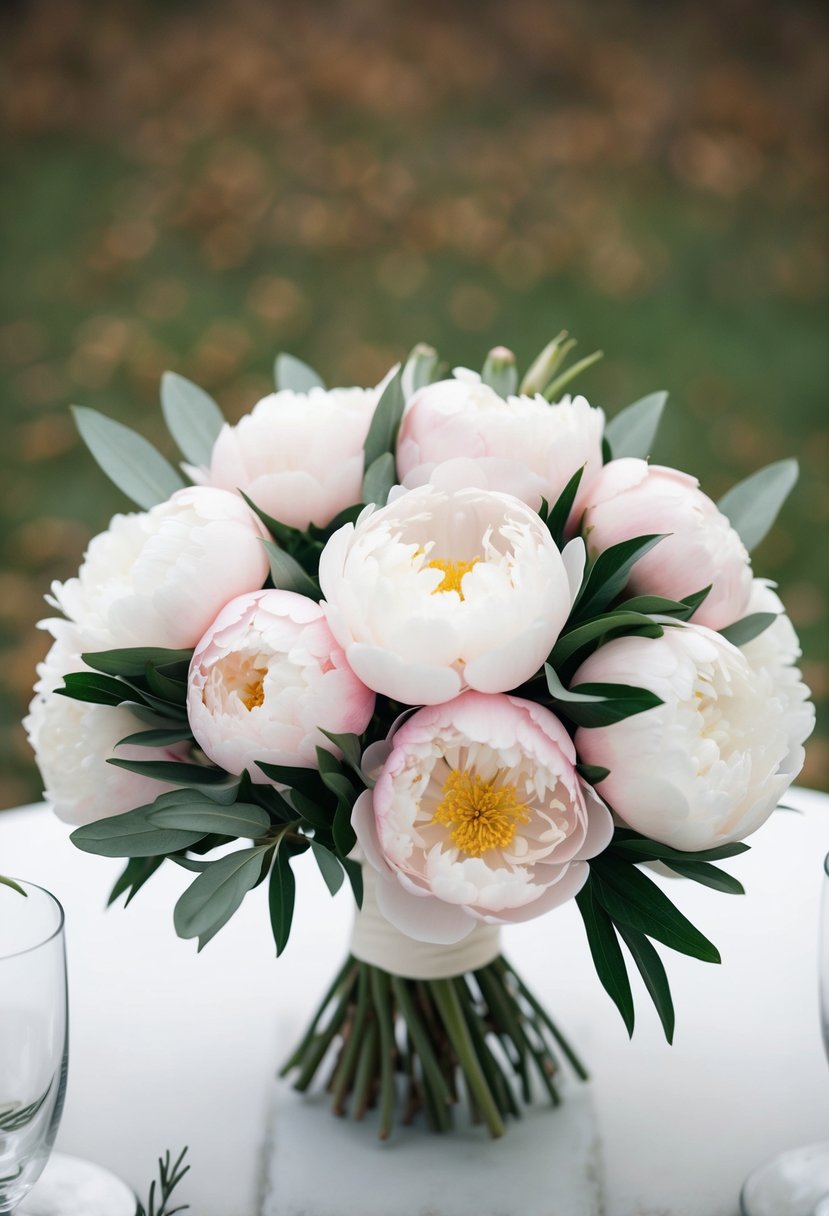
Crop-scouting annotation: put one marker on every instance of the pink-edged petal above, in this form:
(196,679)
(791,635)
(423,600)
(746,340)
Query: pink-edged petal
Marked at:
(566,887)
(422,917)
(411,683)
(599,825)
(365,828)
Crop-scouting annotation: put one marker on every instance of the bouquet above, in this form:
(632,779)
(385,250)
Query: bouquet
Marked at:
(466,649)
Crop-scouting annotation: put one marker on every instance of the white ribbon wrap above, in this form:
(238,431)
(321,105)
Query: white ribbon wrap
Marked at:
(375,941)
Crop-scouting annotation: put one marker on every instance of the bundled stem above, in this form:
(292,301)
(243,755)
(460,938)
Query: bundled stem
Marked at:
(403,1045)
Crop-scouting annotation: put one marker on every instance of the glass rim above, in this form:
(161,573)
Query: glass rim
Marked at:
(22,882)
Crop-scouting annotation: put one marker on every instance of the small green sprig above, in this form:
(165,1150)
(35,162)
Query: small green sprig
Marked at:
(170,1174)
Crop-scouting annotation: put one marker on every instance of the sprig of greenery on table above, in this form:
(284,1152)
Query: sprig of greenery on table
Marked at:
(170,1174)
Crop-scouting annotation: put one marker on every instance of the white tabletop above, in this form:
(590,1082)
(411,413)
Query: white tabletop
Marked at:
(171,1048)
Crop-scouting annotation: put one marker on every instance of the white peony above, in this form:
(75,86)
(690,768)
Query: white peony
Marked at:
(264,679)
(298,456)
(478,815)
(72,741)
(438,592)
(159,578)
(522,445)
(711,763)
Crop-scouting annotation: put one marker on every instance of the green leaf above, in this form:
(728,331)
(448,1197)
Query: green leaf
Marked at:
(214,896)
(281,898)
(709,876)
(291,373)
(133,835)
(752,505)
(620,701)
(633,430)
(316,816)
(344,835)
(329,866)
(607,953)
(747,629)
(306,780)
(559,693)
(632,899)
(592,773)
(95,689)
(134,660)
(156,738)
(136,872)
(651,850)
(350,747)
(379,479)
(174,771)
(9,882)
(355,876)
(127,458)
(560,512)
(287,574)
(382,433)
(193,418)
(500,373)
(656,604)
(652,972)
(607,624)
(239,820)
(609,573)
(552,390)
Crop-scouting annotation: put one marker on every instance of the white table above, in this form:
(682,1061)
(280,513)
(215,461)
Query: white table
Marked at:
(169,1047)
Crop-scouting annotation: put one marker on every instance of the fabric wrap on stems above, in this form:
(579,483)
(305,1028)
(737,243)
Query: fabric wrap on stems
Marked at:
(375,941)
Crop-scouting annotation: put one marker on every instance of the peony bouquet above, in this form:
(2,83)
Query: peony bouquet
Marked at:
(464,647)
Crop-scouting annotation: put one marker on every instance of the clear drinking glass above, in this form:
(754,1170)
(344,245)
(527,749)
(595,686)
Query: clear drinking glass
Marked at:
(33,1036)
(796,1183)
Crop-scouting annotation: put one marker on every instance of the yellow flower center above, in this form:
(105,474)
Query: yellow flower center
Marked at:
(483,815)
(252,694)
(453,573)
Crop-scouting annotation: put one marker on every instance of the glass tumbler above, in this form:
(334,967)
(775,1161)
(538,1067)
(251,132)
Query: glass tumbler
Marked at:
(33,1035)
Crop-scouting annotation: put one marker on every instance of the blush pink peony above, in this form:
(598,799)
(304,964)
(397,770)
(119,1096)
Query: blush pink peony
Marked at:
(478,814)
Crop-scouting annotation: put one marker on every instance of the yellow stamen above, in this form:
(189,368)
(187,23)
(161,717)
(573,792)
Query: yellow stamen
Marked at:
(482,814)
(253,694)
(453,573)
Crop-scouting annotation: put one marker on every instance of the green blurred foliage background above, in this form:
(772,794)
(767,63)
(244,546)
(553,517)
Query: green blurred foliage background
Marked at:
(197,186)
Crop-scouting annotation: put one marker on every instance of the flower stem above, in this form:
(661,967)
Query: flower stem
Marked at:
(446,999)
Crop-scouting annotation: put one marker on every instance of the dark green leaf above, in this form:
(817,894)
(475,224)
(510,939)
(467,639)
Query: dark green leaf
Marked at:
(344,836)
(607,953)
(650,850)
(286,537)
(708,875)
(609,624)
(94,688)
(173,771)
(156,738)
(593,773)
(239,820)
(379,479)
(349,745)
(747,629)
(355,876)
(166,687)
(631,898)
(135,873)
(559,693)
(633,430)
(609,573)
(653,973)
(560,513)
(281,898)
(127,458)
(133,835)
(291,373)
(329,866)
(193,418)
(619,701)
(287,574)
(210,901)
(657,604)
(382,433)
(134,660)
(306,780)
(752,506)
(315,816)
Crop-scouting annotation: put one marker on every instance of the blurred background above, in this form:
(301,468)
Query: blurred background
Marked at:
(197,186)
